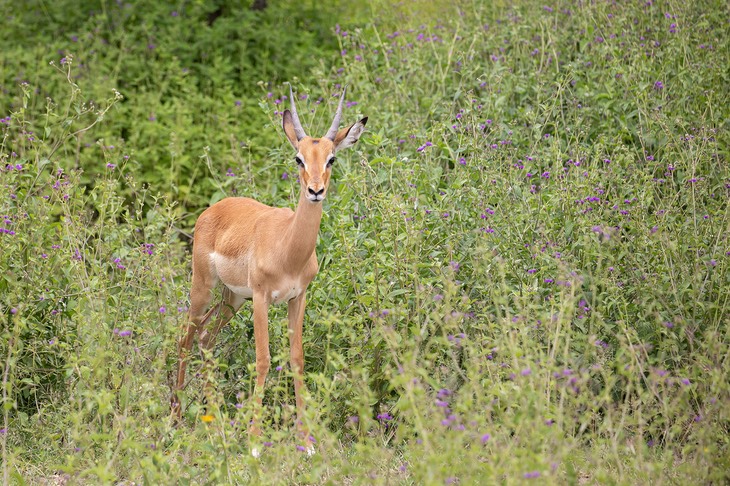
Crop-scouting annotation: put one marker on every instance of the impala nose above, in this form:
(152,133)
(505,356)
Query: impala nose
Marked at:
(316,194)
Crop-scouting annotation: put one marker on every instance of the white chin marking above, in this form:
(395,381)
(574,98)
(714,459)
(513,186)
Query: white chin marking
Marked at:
(255,452)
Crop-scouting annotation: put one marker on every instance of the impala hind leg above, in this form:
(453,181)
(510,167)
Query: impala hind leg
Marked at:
(200,298)
(186,342)
(210,328)
(296,359)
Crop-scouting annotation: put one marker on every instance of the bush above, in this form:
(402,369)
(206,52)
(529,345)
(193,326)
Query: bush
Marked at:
(523,268)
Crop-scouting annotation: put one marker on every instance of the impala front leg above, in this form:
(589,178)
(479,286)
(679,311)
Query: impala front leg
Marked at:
(263,358)
(296,354)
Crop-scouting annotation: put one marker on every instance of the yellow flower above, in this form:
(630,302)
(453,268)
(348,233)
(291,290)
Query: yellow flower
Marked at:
(207,418)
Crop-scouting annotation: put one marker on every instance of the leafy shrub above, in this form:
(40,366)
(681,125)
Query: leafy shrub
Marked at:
(523,270)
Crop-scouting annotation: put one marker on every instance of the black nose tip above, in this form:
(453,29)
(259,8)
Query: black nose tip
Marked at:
(315,193)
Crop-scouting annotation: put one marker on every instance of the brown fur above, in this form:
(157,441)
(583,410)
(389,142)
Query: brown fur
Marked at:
(263,253)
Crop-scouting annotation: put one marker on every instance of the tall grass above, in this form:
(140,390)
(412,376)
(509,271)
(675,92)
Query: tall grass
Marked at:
(523,268)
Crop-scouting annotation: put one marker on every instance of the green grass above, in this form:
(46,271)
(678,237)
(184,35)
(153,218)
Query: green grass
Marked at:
(523,264)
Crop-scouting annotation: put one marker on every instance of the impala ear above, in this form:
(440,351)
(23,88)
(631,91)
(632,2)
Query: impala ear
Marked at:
(290,129)
(347,137)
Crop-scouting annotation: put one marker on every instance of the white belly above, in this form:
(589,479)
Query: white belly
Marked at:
(234,273)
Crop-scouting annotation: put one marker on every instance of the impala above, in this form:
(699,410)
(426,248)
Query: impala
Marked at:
(265,254)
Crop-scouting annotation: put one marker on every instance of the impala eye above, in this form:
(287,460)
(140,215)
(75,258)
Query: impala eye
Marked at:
(331,161)
(299,161)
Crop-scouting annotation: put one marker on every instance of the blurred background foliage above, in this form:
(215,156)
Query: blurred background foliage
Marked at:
(192,74)
(523,263)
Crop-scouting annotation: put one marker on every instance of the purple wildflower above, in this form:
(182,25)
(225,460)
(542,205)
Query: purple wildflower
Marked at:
(601,343)
(423,147)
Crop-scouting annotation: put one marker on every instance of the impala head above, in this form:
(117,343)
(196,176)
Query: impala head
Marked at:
(315,156)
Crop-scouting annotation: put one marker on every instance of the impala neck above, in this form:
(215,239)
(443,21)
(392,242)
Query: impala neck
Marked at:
(301,239)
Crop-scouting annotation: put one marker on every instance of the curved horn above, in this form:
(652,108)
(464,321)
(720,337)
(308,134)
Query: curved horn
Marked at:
(338,114)
(298,130)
